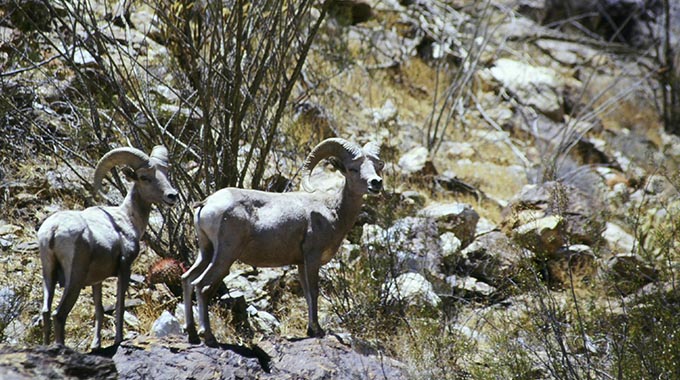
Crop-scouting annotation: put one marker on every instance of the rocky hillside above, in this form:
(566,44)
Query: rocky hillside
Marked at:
(529,219)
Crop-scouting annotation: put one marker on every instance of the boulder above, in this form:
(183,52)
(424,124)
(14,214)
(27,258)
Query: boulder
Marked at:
(491,258)
(350,12)
(12,304)
(561,212)
(469,287)
(618,240)
(538,87)
(542,235)
(413,241)
(567,53)
(459,218)
(171,357)
(7,228)
(629,272)
(258,286)
(413,289)
(416,161)
(616,20)
(574,263)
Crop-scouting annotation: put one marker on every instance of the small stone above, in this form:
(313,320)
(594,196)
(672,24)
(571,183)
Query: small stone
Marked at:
(9,229)
(165,325)
(413,288)
(450,243)
(470,286)
(414,161)
(131,319)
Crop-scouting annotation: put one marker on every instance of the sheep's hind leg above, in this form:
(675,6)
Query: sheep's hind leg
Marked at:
(49,283)
(206,285)
(204,331)
(204,258)
(188,290)
(68,300)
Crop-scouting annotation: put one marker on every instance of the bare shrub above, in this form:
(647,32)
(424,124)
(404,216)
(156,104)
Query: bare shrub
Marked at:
(231,69)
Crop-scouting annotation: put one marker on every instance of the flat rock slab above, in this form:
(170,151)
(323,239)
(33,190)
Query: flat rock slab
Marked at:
(171,357)
(276,358)
(325,358)
(52,362)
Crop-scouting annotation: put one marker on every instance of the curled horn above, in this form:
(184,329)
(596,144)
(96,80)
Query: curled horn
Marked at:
(133,157)
(372,149)
(333,147)
(159,154)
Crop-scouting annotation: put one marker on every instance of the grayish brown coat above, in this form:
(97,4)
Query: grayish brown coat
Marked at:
(273,229)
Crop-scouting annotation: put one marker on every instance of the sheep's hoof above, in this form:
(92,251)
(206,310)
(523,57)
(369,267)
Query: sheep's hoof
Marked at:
(208,338)
(194,339)
(210,341)
(193,335)
(315,333)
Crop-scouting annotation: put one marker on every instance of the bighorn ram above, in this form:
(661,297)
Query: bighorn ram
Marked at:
(80,248)
(274,229)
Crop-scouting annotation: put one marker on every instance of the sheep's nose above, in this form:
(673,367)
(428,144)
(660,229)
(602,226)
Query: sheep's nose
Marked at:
(375,183)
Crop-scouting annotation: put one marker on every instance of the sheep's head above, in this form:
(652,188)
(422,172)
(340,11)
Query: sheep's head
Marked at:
(360,166)
(150,173)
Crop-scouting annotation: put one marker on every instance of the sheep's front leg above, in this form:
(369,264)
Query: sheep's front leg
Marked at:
(309,278)
(98,316)
(123,282)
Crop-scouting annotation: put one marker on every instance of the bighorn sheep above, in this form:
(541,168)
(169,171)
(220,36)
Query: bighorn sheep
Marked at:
(277,229)
(80,248)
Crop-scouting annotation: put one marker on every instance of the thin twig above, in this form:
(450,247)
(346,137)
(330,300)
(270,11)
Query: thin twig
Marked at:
(32,67)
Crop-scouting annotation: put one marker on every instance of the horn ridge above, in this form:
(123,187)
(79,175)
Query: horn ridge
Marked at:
(160,153)
(372,148)
(337,147)
(126,155)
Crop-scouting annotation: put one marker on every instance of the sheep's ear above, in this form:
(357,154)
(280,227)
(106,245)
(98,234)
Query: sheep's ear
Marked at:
(337,164)
(130,174)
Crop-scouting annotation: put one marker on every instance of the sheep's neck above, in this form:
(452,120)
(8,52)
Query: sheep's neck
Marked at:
(348,208)
(137,209)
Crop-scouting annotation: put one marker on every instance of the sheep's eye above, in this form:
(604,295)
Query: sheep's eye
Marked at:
(144,177)
(354,170)
(381,164)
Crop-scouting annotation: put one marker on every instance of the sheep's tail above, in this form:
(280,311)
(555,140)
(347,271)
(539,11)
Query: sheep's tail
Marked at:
(198,206)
